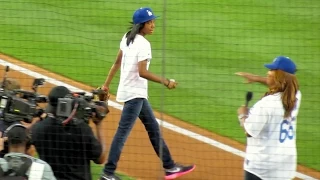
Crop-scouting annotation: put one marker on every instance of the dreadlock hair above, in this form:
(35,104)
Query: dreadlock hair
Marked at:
(134,29)
(288,85)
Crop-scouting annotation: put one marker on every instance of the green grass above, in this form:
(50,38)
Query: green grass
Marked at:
(206,42)
(97,169)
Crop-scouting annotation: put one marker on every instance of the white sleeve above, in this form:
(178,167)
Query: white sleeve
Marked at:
(144,52)
(4,165)
(48,173)
(123,42)
(297,106)
(257,118)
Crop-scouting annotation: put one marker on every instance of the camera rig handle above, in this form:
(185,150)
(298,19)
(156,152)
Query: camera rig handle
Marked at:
(36,83)
(5,77)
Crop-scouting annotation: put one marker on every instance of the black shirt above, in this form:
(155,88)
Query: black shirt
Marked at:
(67,149)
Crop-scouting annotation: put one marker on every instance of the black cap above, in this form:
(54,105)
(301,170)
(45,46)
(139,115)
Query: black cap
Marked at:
(17,134)
(56,93)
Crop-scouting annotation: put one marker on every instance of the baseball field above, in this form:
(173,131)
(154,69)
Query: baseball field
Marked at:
(200,44)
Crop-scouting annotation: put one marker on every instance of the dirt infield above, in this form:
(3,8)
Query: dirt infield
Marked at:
(138,158)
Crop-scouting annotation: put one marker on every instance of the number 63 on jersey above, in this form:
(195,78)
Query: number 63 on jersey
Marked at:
(286,131)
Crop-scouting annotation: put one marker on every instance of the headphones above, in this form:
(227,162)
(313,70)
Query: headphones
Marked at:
(28,139)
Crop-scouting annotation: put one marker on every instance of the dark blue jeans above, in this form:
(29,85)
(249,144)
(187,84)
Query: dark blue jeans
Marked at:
(133,109)
(250,176)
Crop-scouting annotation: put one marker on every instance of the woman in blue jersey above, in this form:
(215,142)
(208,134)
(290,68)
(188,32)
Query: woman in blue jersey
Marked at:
(134,59)
(270,124)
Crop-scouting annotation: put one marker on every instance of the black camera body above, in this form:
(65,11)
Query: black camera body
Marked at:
(17,105)
(78,107)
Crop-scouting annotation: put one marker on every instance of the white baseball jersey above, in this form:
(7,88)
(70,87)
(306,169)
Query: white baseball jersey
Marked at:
(271,152)
(131,84)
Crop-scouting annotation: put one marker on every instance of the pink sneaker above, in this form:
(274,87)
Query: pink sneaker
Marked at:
(178,170)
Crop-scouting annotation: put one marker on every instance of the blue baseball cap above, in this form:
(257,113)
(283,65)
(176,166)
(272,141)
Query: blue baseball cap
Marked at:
(143,15)
(282,63)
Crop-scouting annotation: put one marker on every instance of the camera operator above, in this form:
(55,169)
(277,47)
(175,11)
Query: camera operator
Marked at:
(68,148)
(11,84)
(17,163)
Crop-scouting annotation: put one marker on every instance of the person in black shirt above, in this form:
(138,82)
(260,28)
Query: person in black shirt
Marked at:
(8,85)
(67,148)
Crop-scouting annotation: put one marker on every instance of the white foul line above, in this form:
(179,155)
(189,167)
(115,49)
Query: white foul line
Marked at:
(167,125)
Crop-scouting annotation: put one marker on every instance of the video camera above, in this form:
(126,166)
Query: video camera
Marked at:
(77,106)
(19,104)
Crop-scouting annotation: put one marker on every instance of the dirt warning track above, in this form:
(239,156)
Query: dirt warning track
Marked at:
(138,158)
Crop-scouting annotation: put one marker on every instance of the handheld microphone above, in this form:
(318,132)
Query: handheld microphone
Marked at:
(248,97)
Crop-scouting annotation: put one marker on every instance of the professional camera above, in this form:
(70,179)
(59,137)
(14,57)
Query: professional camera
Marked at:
(77,107)
(19,104)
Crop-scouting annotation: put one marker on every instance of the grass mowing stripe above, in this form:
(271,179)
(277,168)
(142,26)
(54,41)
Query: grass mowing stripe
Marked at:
(207,42)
